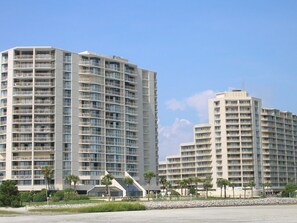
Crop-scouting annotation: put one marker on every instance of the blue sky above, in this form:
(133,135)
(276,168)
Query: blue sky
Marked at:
(197,47)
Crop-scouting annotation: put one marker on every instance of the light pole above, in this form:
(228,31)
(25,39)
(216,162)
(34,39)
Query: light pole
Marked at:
(163,192)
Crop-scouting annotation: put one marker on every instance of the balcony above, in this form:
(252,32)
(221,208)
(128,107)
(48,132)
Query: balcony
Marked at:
(23,57)
(44,120)
(45,75)
(44,92)
(22,139)
(44,148)
(21,130)
(44,57)
(22,149)
(88,159)
(89,63)
(44,102)
(23,84)
(21,158)
(44,84)
(131,80)
(44,65)
(89,71)
(112,67)
(44,111)
(20,177)
(24,66)
(22,93)
(23,75)
(43,139)
(43,158)
(23,102)
(44,129)
(21,167)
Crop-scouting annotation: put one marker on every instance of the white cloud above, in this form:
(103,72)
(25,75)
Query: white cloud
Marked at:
(170,137)
(174,104)
(198,101)
(181,130)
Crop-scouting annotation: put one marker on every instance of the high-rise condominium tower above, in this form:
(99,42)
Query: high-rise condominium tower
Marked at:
(243,143)
(84,114)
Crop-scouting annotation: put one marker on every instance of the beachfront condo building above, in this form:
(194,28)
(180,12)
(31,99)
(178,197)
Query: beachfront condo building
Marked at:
(84,114)
(243,143)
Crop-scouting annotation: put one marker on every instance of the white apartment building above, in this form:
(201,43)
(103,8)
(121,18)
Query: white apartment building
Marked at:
(79,113)
(243,142)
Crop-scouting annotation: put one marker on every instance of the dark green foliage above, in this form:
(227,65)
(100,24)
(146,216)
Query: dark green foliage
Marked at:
(174,193)
(40,196)
(9,194)
(58,196)
(192,191)
(67,195)
(290,190)
(27,196)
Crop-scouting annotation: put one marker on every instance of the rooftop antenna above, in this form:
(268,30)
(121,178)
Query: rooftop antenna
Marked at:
(243,85)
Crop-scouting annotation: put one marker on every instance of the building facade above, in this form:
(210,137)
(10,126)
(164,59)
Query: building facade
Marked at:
(79,113)
(243,143)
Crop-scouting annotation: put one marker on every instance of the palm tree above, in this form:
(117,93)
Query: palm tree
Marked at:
(220,184)
(107,181)
(148,175)
(48,174)
(163,181)
(225,184)
(182,184)
(196,180)
(128,181)
(233,186)
(72,178)
(251,184)
(207,185)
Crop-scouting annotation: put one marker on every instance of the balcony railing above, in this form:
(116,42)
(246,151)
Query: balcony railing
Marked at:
(49,75)
(22,148)
(23,84)
(23,75)
(44,57)
(44,65)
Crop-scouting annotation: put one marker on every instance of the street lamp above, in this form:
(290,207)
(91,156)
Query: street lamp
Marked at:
(163,193)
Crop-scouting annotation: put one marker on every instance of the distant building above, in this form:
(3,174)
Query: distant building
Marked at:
(243,142)
(84,114)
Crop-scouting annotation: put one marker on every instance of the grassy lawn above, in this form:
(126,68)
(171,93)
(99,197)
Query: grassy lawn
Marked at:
(103,207)
(3,212)
(63,202)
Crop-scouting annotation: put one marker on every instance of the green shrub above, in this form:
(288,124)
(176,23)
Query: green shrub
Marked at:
(174,193)
(69,190)
(40,196)
(27,196)
(192,191)
(58,196)
(72,195)
(290,190)
(9,194)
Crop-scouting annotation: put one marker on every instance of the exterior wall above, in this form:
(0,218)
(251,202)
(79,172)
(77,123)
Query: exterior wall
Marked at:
(279,147)
(81,114)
